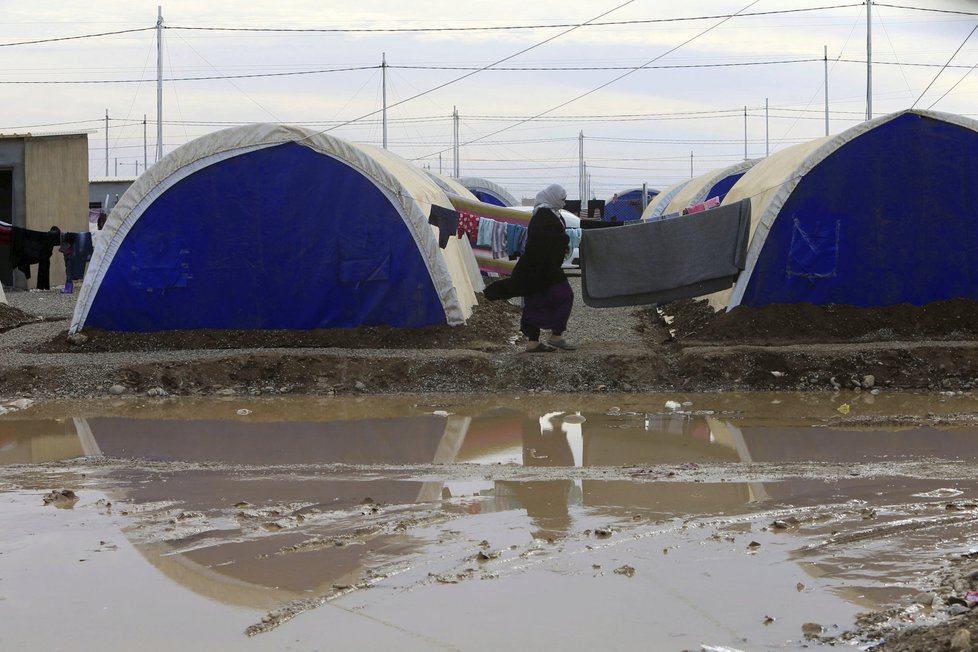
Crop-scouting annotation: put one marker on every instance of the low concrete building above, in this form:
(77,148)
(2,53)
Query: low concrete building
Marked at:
(43,183)
(103,193)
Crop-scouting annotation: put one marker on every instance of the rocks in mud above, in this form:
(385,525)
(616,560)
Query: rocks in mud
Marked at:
(155,391)
(812,630)
(116,390)
(925,599)
(625,570)
(77,339)
(961,641)
(18,404)
(61,498)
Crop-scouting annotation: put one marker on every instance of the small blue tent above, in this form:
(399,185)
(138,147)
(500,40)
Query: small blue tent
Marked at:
(488,192)
(715,183)
(274,227)
(626,206)
(880,214)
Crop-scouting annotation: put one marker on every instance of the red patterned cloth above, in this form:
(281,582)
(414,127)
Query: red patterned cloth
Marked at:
(469,225)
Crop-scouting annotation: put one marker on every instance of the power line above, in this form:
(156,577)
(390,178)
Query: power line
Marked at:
(182,79)
(495,63)
(608,83)
(474,69)
(580,68)
(72,38)
(647,21)
(356,30)
(945,66)
(939,11)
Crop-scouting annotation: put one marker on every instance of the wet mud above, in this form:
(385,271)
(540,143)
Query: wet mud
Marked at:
(476,522)
(682,346)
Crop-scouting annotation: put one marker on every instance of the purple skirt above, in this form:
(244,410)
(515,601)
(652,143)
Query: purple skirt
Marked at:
(551,308)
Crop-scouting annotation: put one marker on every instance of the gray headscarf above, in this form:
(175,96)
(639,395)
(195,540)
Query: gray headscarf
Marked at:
(552,197)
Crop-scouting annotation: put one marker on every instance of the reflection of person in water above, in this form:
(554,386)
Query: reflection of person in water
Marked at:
(545,501)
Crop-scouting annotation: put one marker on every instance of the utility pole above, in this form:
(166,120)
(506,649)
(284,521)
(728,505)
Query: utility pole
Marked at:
(383,70)
(439,162)
(145,153)
(745,133)
(869,60)
(455,146)
(587,185)
(159,82)
(580,166)
(645,196)
(767,130)
(690,164)
(825,56)
(106,142)
(117,166)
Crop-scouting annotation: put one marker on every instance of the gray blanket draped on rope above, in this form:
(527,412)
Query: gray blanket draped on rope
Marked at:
(665,260)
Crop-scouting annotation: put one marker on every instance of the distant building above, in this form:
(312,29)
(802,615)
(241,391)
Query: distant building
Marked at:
(43,183)
(105,193)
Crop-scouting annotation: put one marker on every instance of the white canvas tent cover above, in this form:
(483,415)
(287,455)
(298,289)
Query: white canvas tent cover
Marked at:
(715,183)
(269,226)
(657,207)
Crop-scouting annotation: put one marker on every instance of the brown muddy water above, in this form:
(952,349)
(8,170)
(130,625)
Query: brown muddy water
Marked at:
(656,522)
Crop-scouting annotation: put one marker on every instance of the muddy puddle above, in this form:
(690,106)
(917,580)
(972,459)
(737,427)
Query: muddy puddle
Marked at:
(751,522)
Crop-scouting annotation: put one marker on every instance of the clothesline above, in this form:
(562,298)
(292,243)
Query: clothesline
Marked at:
(503,239)
(29,247)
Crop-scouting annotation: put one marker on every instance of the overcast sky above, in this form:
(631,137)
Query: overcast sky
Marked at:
(662,91)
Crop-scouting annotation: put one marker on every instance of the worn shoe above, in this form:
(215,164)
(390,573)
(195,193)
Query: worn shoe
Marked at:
(543,348)
(562,344)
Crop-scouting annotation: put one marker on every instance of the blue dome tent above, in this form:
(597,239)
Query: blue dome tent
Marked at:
(880,214)
(275,227)
(626,206)
(715,183)
(488,192)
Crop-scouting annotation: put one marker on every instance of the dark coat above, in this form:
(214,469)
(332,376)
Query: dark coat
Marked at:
(540,266)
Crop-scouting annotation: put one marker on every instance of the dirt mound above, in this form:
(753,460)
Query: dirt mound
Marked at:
(490,326)
(805,323)
(11,317)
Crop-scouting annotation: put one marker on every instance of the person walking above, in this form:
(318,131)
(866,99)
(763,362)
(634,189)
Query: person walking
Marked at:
(539,278)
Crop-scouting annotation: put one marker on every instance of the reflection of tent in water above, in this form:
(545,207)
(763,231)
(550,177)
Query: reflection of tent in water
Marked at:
(877,215)
(274,227)
(249,568)
(254,551)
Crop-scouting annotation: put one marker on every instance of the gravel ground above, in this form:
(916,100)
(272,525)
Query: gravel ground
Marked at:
(771,348)
(479,367)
